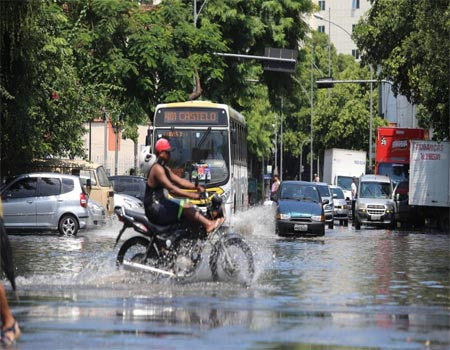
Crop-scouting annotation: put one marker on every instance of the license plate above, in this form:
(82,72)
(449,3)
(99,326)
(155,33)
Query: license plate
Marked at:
(375,217)
(298,227)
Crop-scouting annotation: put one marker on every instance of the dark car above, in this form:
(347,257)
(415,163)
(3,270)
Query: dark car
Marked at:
(299,209)
(130,185)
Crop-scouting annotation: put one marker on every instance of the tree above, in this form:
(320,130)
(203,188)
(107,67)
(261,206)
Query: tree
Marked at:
(43,103)
(341,114)
(409,41)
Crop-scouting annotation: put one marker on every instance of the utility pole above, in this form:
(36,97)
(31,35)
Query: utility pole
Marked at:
(312,109)
(370,123)
(281,141)
(105,143)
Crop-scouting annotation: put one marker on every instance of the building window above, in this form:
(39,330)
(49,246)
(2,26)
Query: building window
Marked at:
(355,53)
(322,5)
(355,4)
(321,29)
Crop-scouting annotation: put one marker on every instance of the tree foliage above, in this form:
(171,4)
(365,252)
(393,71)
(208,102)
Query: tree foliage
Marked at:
(341,114)
(410,42)
(44,105)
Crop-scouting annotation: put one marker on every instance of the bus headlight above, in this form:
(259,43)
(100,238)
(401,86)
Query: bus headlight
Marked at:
(317,218)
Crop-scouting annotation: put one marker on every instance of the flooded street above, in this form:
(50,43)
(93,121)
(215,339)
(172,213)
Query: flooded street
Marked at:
(373,288)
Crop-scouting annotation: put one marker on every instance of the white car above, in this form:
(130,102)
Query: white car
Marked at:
(97,215)
(129,202)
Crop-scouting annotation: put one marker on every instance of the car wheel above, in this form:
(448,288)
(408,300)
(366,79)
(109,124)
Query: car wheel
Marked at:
(345,222)
(331,225)
(68,225)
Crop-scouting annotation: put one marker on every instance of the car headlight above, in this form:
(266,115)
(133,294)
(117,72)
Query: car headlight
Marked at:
(281,216)
(361,206)
(389,208)
(328,207)
(317,218)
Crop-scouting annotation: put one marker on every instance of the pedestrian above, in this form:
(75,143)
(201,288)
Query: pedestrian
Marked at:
(354,190)
(316,178)
(10,330)
(132,172)
(275,185)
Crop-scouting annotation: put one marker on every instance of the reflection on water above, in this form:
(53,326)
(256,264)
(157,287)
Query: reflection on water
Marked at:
(370,288)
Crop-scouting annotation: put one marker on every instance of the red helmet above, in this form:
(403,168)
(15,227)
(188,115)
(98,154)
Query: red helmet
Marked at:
(162,145)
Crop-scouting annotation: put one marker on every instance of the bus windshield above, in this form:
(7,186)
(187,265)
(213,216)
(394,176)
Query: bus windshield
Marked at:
(202,153)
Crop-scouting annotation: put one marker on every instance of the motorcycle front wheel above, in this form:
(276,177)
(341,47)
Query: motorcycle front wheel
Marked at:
(134,250)
(231,260)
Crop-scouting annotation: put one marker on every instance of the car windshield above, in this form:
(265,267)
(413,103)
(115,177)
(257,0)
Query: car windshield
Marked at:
(299,192)
(102,177)
(338,192)
(375,190)
(203,153)
(324,190)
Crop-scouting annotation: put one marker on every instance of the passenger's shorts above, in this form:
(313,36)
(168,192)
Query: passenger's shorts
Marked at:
(164,212)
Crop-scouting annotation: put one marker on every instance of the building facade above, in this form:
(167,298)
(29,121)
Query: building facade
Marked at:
(117,155)
(337,18)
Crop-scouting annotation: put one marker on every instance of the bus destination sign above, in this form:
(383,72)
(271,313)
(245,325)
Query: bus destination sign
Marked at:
(191,116)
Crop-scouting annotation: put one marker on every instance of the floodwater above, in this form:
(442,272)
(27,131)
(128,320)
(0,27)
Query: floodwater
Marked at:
(368,289)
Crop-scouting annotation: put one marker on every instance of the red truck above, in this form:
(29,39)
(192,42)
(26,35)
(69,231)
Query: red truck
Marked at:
(392,151)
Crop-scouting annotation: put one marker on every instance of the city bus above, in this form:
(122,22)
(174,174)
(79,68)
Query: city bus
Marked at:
(210,143)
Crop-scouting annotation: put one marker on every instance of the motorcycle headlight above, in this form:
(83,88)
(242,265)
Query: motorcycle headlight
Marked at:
(281,216)
(317,218)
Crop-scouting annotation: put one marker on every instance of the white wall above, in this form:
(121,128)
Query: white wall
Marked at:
(126,154)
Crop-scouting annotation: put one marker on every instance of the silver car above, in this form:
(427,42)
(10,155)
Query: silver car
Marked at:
(45,201)
(324,191)
(341,208)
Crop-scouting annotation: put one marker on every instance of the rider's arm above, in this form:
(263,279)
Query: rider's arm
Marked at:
(161,177)
(183,183)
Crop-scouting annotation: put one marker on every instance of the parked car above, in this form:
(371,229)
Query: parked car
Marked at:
(299,209)
(45,201)
(97,214)
(324,190)
(130,185)
(340,207)
(374,204)
(129,202)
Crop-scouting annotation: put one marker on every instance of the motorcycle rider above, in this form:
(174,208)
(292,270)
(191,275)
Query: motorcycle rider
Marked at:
(160,179)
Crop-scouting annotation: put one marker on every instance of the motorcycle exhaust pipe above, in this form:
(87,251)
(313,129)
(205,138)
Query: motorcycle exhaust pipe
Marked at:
(132,266)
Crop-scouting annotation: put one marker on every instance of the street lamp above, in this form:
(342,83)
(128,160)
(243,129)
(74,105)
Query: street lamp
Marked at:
(326,20)
(371,86)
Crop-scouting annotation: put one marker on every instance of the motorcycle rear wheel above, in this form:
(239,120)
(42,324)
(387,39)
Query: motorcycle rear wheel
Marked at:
(231,260)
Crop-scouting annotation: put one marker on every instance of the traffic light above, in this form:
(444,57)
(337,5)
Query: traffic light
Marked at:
(325,83)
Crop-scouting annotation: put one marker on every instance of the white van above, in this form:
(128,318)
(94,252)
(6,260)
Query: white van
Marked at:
(374,203)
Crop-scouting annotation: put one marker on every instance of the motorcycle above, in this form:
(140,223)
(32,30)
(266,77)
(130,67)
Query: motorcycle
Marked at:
(175,250)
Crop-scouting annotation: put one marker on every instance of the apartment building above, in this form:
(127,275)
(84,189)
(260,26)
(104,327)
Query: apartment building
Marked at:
(339,18)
